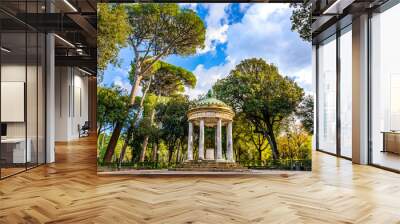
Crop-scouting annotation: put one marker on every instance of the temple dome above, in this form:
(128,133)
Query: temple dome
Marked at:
(209,101)
(210,110)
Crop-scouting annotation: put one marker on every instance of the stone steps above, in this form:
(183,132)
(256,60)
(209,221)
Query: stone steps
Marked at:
(203,169)
(209,165)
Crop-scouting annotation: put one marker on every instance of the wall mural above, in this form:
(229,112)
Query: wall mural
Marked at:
(202,87)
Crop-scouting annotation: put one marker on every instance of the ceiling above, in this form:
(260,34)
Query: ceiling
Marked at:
(73,21)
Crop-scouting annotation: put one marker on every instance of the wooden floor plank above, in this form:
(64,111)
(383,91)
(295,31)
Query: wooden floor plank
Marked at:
(69,191)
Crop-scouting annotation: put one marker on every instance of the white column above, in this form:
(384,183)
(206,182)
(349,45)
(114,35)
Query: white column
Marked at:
(50,92)
(190,142)
(229,145)
(360,90)
(201,141)
(215,143)
(219,142)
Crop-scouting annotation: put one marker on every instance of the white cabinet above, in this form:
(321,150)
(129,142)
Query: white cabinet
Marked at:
(18,148)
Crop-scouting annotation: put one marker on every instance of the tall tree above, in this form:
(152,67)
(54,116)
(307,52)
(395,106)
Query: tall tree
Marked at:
(263,95)
(259,141)
(165,80)
(132,122)
(159,30)
(112,33)
(301,19)
(173,119)
(111,104)
(168,80)
(239,134)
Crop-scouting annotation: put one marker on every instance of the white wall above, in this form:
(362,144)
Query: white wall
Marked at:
(33,126)
(14,72)
(71,102)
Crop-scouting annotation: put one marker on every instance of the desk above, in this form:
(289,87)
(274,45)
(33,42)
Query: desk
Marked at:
(391,141)
(13,150)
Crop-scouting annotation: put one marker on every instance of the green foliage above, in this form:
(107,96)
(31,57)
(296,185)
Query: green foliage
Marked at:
(149,105)
(173,121)
(167,79)
(101,147)
(302,19)
(295,142)
(112,33)
(160,30)
(305,112)
(170,80)
(157,31)
(165,29)
(265,97)
(111,104)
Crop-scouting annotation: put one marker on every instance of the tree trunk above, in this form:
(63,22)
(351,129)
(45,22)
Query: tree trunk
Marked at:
(259,154)
(122,154)
(181,156)
(117,130)
(133,155)
(274,146)
(155,150)
(113,142)
(239,153)
(143,152)
(170,152)
(99,130)
(135,88)
(146,138)
(130,129)
(272,141)
(177,153)
(103,139)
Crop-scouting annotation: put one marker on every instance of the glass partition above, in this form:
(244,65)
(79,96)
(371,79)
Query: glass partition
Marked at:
(22,77)
(346,92)
(327,95)
(385,89)
(13,104)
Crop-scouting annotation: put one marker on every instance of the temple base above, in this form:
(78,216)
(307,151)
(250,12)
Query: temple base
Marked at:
(210,165)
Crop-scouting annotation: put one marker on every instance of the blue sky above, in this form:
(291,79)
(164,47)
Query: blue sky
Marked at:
(235,32)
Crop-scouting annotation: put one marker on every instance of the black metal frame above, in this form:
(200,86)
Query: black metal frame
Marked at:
(338,75)
(36,164)
(387,5)
(326,35)
(339,32)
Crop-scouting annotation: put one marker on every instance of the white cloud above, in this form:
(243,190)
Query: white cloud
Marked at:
(192,6)
(304,78)
(207,77)
(122,71)
(260,33)
(216,25)
(303,75)
(264,32)
(118,81)
(244,6)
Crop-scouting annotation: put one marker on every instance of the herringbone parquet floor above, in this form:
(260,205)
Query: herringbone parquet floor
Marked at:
(69,191)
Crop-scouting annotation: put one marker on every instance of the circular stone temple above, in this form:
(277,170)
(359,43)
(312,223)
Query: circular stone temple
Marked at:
(213,113)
